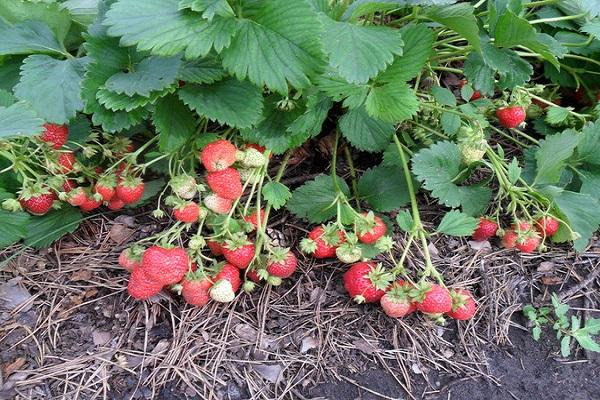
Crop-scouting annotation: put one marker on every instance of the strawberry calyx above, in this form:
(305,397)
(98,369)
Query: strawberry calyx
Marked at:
(380,278)
(237,241)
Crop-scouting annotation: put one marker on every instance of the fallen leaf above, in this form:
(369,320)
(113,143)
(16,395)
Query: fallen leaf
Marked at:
(550,280)
(13,295)
(81,275)
(365,347)
(271,373)
(309,343)
(246,332)
(8,369)
(546,266)
(100,338)
(126,220)
(483,245)
(119,233)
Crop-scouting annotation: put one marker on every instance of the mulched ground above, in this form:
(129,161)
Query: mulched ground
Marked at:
(75,334)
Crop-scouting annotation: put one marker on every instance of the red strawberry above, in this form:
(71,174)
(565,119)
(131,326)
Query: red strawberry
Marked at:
(396,302)
(215,247)
(366,282)
(322,241)
(90,204)
(282,263)
(167,266)
(187,213)
(37,199)
(239,252)
(195,289)
(433,299)
(218,204)
(486,229)
(253,275)
(547,225)
(77,197)
(106,187)
(463,305)
(370,228)
(69,185)
(227,282)
(509,239)
(218,155)
(115,204)
(55,135)
(142,287)
(130,189)
(226,183)
(511,117)
(528,243)
(130,258)
(253,218)
(66,160)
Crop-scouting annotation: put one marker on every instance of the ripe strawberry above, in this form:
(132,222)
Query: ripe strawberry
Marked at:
(37,199)
(366,282)
(106,187)
(218,155)
(528,243)
(547,225)
(463,305)
(396,302)
(131,258)
(370,228)
(90,204)
(253,218)
(239,251)
(227,282)
(215,247)
(253,275)
(511,117)
(66,161)
(433,299)
(69,185)
(226,183)
(486,229)
(184,186)
(130,190)
(55,135)
(509,239)
(166,266)
(195,288)
(141,286)
(187,213)
(77,197)
(115,204)
(282,263)
(322,241)
(218,204)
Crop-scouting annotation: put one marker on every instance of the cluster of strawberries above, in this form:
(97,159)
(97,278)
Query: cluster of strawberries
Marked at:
(524,236)
(115,190)
(369,282)
(187,274)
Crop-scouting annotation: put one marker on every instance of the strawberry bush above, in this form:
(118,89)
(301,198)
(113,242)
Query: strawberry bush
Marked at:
(196,107)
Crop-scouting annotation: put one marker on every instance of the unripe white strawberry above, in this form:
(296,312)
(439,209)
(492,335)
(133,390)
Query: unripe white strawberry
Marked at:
(184,186)
(218,204)
(222,291)
(253,158)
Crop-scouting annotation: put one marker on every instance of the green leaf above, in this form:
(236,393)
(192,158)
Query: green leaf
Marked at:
(315,201)
(7,99)
(456,223)
(590,182)
(117,102)
(384,188)
(49,12)
(9,72)
(514,171)
(273,130)
(418,45)
(557,115)
(405,221)
(592,326)
(13,227)
(174,122)
(229,101)
(479,74)
(151,74)
(588,148)
(513,70)
(42,231)
(208,8)
(592,27)
(565,346)
(443,96)
(392,102)
(204,70)
(437,167)
(586,342)
(277,42)
(82,11)
(581,212)
(358,53)
(19,120)
(276,194)
(160,27)
(27,37)
(536,332)
(512,31)
(52,86)
(337,88)
(450,123)
(551,155)
(317,109)
(364,132)
(458,17)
